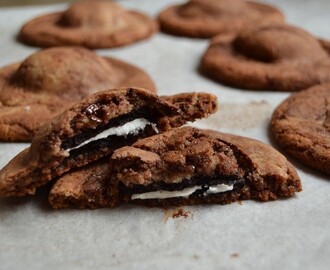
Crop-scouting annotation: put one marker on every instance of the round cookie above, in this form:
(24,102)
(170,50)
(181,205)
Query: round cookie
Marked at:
(92,24)
(48,81)
(301,126)
(277,57)
(206,18)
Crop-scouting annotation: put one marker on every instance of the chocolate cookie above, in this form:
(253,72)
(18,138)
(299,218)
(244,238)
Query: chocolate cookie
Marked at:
(50,80)
(92,129)
(277,57)
(92,24)
(206,18)
(301,126)
(181,166)
(85,187)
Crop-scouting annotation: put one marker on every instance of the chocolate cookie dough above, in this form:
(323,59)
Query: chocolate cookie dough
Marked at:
(206,18)
(93,129)
(301,126)
(277,57)
(48,81)
(178,167)
(90,23)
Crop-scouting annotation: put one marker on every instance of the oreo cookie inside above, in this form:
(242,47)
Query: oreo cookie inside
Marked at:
(194,187)
(118,132)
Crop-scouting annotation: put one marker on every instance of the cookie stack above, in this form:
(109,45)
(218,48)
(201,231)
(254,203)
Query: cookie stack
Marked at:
(124,146)
(101,148)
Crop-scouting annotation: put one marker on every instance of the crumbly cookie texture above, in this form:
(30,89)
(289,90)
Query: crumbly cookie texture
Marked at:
(211,161)
(93,129)
(90,23)
(50,80)
(178,167)
(206,18)
(83,188)
(277,57)
(301,126)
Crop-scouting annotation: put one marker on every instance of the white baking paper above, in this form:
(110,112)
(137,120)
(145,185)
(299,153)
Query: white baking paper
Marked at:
(285,234)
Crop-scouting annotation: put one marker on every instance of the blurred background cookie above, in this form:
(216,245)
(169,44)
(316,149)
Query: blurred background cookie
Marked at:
(206,18)
(275,57)
(301,126)
(50,80)
(88,23)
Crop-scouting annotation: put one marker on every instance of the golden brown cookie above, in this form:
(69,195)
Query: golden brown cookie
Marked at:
(88,23)
(206,18)
(48,81)
(178,167)
(277,57)
(93,129)
(301,126)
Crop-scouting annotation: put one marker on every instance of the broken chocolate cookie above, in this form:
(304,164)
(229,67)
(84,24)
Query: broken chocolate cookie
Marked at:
(94,128)
(178,167)
(191,166)
(84,187)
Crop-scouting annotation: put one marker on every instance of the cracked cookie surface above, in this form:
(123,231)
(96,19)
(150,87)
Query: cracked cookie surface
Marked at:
(301,126)
(275,57)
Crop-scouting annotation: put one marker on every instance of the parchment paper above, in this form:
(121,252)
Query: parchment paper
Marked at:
(284,234)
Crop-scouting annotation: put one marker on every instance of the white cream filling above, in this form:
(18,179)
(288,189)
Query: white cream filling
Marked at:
(129,128)
(219,188)
(186,192)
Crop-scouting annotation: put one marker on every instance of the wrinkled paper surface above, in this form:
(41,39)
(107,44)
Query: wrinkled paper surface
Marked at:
(285,234)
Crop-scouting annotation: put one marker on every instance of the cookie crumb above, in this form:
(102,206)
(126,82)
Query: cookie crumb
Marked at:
(196,257)
(239,202)
(181,213)
(176,213)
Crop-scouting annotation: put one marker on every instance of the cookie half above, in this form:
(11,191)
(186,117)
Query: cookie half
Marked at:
(86,187)
(90,23)
(206,18)
(48,81)
(276,57)
(301,126)
(92,129)
(178,167)
(190,166)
